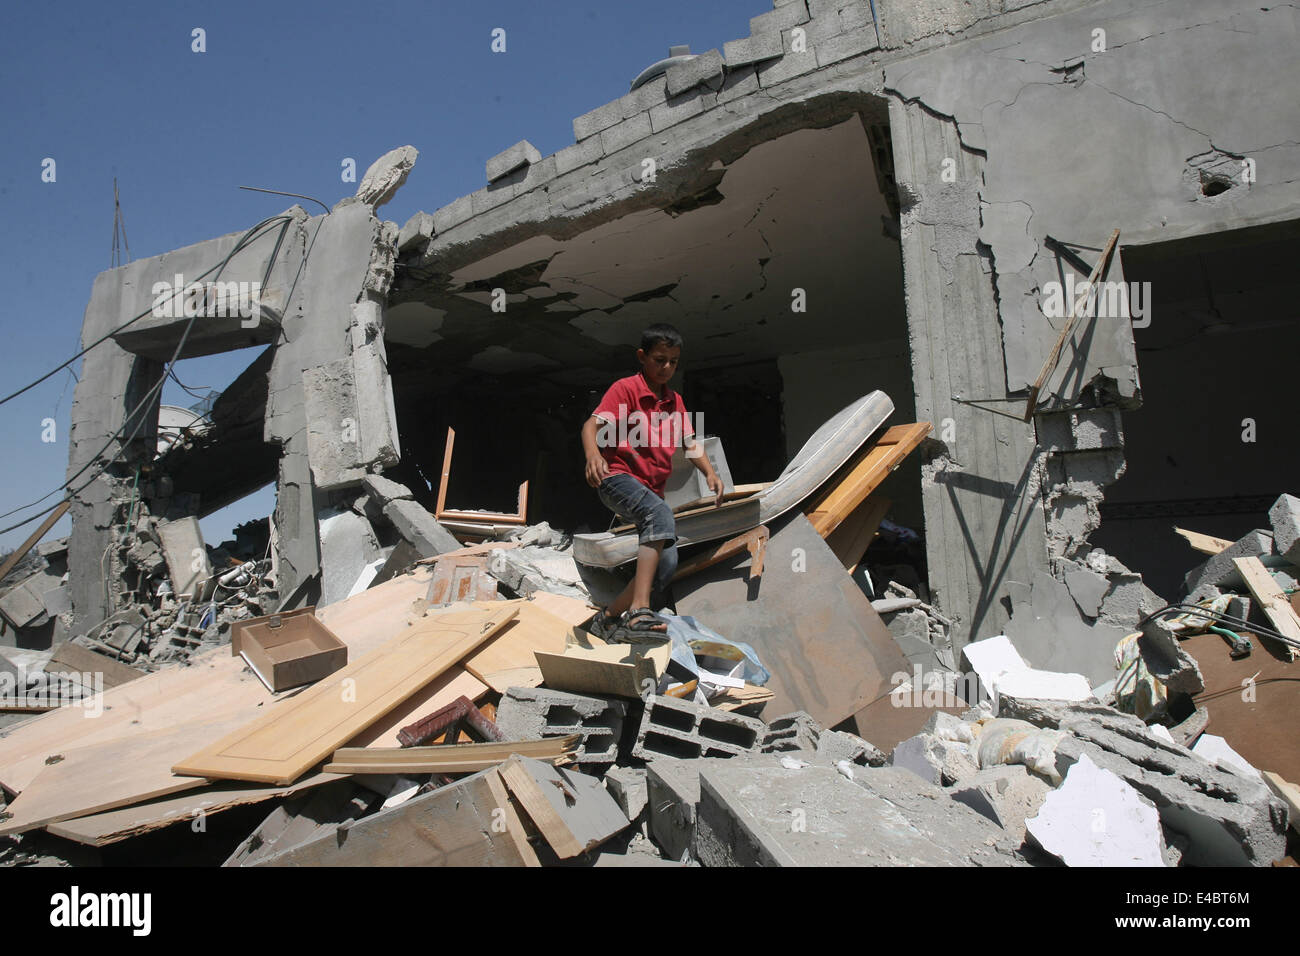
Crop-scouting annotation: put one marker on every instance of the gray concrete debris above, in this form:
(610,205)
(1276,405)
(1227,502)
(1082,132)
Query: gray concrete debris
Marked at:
(796,731)
(384,490)
(936,761)
(527,570)
(769,816)
(1007,795)
(1219,568)
(541,535)
(1087,588)
(1167,661)
(672,792)
(682,729)
(386,175)
(22,605)
(347,544)
(533,713)
(420,528)
(837,745)
(1229,819)
(628,787)
(1284,516)
(1052,634)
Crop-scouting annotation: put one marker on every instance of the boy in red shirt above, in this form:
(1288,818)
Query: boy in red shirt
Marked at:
(640,422)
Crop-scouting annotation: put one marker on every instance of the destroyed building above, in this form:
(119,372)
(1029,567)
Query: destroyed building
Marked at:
(901,196)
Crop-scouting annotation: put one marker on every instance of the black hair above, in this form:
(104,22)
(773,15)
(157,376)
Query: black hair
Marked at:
(660,332)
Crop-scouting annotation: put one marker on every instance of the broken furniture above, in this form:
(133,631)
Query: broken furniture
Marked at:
(474,522)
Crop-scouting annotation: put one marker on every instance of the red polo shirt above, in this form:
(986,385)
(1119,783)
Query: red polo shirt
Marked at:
(644,431)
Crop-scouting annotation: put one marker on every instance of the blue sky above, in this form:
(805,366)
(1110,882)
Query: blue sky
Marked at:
(282,95)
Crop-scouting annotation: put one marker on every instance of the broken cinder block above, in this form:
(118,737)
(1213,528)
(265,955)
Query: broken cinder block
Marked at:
(534,713)
(679,728)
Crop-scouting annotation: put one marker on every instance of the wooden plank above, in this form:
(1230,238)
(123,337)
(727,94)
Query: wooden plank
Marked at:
(1290,795)
(1204,543)
(69,658)
(573,811)
(487,547)
(1049,364)
(461,824)
(508,660)
(736,493)
(853,537)
(590,666)
(114,826)
(34,539)
(515,828)
(448,758)
(851,485)
(569,610)
(298,733)
(749,541)
(734,698)
(1273,601)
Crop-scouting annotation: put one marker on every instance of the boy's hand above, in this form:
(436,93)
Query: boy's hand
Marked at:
(597,470)
(715,486)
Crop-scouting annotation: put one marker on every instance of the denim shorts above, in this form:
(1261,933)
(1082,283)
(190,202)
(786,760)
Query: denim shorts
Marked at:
(628,498)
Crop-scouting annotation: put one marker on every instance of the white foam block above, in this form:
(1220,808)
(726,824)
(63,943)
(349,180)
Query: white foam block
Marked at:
(1096,819)
(1042,685)
(991,657)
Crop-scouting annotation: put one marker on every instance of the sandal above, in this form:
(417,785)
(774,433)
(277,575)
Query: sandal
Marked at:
(640,625)
(603,624)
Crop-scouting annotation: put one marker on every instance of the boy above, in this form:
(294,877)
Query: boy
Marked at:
(641,421)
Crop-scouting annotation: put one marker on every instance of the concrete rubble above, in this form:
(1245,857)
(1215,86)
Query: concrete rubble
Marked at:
(932,658)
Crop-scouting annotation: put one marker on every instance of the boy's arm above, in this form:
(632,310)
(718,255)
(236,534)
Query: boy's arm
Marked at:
(597,467)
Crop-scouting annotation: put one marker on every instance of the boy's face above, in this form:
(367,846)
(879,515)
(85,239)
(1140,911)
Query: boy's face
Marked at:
(659,363)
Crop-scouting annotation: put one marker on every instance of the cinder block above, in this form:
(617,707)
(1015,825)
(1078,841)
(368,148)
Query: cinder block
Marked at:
(1217,569)
(796,731)
(452,214)
(752,49)
(705,68)
(533,713)
(1284,516)
(681,108)
(579,154)
(774,72)
(625,133)
(847,44)
(489,197)
(523,153)
(628,787)
(679,728)
(598,120)
(781,18)
(855,13)
(418,227)
(536,175)
(645,97)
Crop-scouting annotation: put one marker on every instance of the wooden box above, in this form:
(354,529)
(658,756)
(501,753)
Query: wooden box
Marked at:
(288,649)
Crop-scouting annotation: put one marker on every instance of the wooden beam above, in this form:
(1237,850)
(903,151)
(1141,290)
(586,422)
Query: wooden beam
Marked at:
(853,483)
(11,562)
(853,537)
(69,658)
(1054,356)
(1204,543)
(1271,599)
(750,541)
(448,758)
(573,811)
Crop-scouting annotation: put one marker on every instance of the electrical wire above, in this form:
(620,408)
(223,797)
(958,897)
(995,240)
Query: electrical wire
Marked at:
(1235,623)
(247,239)
(108,335)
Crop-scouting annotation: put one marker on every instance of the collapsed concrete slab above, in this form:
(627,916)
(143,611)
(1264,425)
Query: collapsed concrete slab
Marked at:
(419,528)
(187,558)
(815,816)
(1007,795)
(529,569)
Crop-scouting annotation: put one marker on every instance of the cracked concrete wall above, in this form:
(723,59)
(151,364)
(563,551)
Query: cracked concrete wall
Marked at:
(330,404)
(1086,132)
